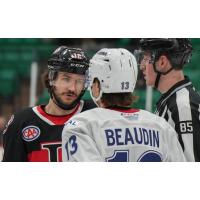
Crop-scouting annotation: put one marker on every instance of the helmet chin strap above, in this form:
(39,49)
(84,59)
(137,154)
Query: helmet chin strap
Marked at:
(62,105)
(159,75)
(157,80)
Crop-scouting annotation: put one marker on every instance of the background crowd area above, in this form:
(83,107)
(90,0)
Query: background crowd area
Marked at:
(18,54)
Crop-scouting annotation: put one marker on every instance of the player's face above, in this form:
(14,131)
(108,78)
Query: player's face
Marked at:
(146,67)
(68,86)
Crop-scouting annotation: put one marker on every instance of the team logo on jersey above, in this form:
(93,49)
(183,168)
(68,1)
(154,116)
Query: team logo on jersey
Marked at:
(72,122)
(130,116)
(30,133)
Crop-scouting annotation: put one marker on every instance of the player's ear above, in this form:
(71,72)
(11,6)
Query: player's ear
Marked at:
(162,63)
(95,88)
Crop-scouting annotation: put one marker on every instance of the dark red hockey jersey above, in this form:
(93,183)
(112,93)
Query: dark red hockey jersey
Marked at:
(33,135)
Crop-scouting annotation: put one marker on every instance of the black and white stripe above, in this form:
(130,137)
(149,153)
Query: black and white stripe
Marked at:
(180,106)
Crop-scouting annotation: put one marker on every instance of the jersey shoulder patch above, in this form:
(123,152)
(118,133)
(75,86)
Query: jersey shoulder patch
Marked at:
(30,133)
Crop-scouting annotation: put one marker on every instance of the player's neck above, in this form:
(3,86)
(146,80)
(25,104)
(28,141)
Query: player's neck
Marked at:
(52,109)
(169,80)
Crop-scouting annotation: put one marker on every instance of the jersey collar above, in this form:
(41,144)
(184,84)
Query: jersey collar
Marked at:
(54,119)
(123,109)
(178,86)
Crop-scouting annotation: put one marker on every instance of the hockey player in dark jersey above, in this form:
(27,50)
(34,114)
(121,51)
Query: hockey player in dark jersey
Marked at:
(161,61)
(34,134)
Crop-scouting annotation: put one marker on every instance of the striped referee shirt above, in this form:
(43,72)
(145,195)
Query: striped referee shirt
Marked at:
(180,106)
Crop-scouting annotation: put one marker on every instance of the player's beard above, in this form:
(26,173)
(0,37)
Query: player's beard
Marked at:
(58,97)
(60,103)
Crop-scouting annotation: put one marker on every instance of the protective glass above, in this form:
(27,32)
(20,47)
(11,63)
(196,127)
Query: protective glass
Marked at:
(67,81)
(144,57)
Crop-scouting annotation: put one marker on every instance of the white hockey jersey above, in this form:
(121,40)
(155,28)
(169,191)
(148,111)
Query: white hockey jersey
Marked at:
(116,135)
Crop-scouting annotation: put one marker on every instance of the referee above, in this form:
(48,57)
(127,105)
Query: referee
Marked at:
(161,61)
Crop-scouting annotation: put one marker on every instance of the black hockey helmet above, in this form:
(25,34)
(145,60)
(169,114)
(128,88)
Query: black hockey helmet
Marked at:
(178,50)
(72,60)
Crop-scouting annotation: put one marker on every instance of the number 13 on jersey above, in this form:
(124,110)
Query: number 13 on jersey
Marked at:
(71,146)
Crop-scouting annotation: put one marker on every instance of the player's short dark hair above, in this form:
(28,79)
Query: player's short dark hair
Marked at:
(118,99)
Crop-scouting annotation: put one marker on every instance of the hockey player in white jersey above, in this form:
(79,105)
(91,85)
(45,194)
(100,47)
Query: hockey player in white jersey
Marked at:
(115,131)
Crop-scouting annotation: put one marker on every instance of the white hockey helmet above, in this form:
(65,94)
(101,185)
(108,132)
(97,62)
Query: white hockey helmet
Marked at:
(116,70)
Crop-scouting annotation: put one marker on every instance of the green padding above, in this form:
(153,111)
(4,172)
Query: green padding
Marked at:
(87,96)
(194,76)
(140,102)
(9,84)
(43,98)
